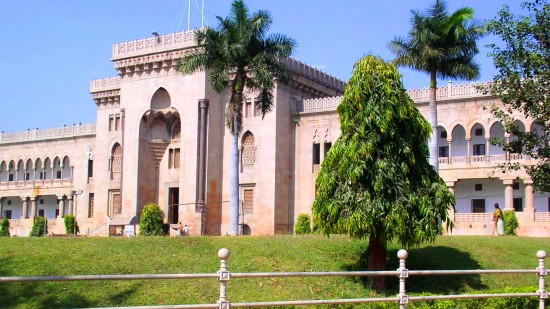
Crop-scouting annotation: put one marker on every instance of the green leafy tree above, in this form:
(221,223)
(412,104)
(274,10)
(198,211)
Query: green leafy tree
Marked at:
(522,84)
(71,226)
(240,55)
(376,181)
(303,224)
(39,228)
(443,46)
(151,221)
(5,227)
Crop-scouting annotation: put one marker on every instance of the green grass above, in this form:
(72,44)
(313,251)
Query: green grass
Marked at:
(164,255)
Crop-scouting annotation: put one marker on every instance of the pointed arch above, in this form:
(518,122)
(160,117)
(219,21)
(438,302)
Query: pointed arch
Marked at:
(3,171)
(248,153)
(161,99)
(116,161)
(47,168)
(39,169)
(66,170)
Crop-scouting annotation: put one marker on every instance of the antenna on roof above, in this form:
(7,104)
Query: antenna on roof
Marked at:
(187,7)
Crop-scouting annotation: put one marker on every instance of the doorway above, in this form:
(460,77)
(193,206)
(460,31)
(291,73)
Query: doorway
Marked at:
(174,200)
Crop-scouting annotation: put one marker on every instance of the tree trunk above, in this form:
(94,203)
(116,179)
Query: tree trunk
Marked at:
(234,185)
(377,261)
(432,118)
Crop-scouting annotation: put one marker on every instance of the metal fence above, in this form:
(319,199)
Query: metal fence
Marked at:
(224,275)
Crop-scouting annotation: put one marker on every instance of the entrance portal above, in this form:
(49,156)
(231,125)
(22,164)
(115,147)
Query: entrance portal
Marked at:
(174,198)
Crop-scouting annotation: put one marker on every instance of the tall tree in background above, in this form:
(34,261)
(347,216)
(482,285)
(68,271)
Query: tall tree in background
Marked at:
(376,181)
(523,83)
(240,55)
(442,45)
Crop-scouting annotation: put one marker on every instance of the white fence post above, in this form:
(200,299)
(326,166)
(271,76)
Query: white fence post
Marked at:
(224,275)
(403,274)
(543,272)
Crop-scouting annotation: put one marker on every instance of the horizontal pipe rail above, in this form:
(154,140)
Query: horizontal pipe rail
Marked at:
(466,296)
(106,277)
(198,306)
(317,274)
(314,302)
(472,272)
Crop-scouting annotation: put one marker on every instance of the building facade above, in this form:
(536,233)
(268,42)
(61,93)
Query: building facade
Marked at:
(160,138)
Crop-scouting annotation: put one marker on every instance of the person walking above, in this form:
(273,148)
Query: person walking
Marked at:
(498,221)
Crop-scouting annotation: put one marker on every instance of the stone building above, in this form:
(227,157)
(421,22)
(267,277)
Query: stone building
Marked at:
(160,137)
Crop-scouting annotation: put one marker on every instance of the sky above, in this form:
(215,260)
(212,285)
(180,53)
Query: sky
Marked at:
(51,50)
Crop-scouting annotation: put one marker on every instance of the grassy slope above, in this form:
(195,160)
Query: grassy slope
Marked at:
(159,255)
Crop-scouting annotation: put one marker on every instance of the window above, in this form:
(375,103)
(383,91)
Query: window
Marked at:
(42,175)
(57,212)
(174,158)
(115,205)
(111,120)
(10,177)
(7,214)
(549,204)
(479,132)
(58,175)
(443,134)
(9,202)
(479,149)
(116,163)
(326,148)
(90,168)
(42,212)
(478,205)
(248,154)
(41,201)
(117,122)
(27,176)
(515,186)
(248,201)
(518,204)
(90,205)
(444,152)
(478,187)
(248,109)
(316,153)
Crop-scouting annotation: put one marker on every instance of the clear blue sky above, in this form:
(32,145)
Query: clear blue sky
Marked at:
(50,50)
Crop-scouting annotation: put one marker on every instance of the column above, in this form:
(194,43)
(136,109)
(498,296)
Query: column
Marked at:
(508,194)
(24,207)
(1,207)
(529,199)
(70,200)
(201,177)
(33,207)
(507,135)
(469,151)
(488,144)
(61,206)
(450,142)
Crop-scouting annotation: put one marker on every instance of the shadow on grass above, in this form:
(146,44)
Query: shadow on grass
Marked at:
(44,295)
(428,258)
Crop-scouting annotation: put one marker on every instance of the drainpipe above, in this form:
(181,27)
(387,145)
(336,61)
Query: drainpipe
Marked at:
(122,118)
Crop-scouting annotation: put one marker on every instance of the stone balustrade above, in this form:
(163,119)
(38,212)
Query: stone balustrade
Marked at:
(449,92)
(45,134)
(30,184)
(155,44)
(105,84)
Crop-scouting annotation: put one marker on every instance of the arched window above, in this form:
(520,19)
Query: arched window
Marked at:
(116,162)
(248,152)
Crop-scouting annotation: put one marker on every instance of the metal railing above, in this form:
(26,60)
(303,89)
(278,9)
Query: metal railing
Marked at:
(224,275)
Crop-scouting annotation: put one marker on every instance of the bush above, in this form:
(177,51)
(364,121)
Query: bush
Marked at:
(303,225)
(511,223)
(5,228)
(151,221)
(40,228)
(70,223)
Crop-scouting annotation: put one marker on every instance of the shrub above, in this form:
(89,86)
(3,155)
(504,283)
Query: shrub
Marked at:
(5,228)
(70,223)
(303,225)
(40,228)
(511,223)
(151,221)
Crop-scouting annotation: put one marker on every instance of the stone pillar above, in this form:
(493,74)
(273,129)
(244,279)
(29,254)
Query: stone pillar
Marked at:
(488,144)
(70,200)
(508,194)
(61,206)
(450,142)
(201,168)
(1,207)
(469,151)
(33,207)
(529,199)
(24,207)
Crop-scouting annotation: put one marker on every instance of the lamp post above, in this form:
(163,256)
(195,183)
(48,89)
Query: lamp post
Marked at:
(75,194)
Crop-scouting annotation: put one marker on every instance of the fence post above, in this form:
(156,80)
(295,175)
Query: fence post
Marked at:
(224,275)
(403,274)
(543,271)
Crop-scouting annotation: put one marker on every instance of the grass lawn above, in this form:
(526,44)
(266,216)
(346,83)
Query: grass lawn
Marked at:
(167,255)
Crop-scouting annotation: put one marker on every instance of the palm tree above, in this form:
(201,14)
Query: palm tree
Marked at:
(240,54)
(442,45)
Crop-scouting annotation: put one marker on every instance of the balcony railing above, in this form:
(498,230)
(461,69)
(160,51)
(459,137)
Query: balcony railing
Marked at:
(46,183)
(45,134)
(474,217)
(481,160)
